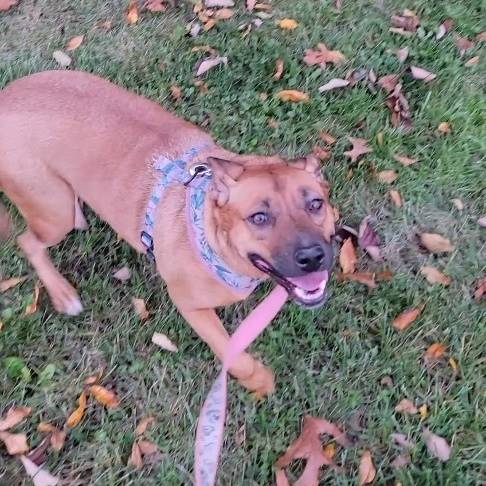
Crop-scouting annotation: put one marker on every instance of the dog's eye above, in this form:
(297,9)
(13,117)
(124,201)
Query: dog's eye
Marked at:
(315,205)
(259,219)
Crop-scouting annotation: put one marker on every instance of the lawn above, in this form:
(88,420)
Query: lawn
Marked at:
(329,363)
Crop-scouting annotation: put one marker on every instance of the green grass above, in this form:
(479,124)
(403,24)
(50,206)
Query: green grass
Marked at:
(328,363)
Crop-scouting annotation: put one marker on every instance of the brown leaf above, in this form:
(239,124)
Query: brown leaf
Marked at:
(61,58)
(13,417)
(74,43)
(436,445)
(78,414)
(401,440)
(176,93)
(434,276)
(308,446)
(327,137)
(155,5)
(366,278)
(104,396)
(458,203)
(32,307)
(403,159)
(135,459)
(401,460)
(480,289)
(471,62)
(123,274)
(164,342)
(15,443)
(435,351)
(320,153)
(445,27)
(444,127)
(224,14)
(401,54)
(329,450)
(334,83)
(147,447)
(292,95)
(140,308)
(422,74)
(92,379)
(360,147)
(40,477)
(395,197)
(240,436)
(368,239)
(279,67)
(387,176)
(57,437)
(10,282)
(404,319)
(210,63)
(436,243)
(400,109)
(462,43)
(144,424)
(203,87)
(347,257)
(389,82)
(408,21)
(481,37)
(322,55)
(7,4)
(219,3)
(288,24)
(132,12)
(367,471)
(406,406)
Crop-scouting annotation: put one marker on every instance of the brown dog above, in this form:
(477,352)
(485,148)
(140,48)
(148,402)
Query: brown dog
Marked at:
(70,136)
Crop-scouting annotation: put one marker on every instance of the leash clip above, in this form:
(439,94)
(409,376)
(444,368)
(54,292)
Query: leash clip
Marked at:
(198,170)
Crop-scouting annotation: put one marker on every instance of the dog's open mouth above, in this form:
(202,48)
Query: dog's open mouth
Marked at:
(308,290)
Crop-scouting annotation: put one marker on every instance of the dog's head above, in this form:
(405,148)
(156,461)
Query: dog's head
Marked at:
(276,216)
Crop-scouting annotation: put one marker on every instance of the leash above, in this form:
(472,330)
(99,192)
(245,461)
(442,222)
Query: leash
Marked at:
(210,427)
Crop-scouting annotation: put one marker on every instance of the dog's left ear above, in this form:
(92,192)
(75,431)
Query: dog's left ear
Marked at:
(225,174)
(310,163)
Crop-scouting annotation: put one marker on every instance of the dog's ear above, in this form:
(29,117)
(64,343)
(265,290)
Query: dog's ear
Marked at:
(310,163)
(225,174)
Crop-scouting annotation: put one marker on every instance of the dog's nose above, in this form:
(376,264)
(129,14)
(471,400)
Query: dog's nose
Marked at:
(310,258)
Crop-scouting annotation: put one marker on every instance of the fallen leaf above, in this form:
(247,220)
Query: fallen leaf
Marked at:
(40,477)
(398,105)
(57,437)
(14,416)
(405,318)
(366,278)
(404,160)
(61,58)
(78,414)
(194,28)
(211,63)
(15,443)
(132,12)
(104,396)
(327,138)
(453,364)
(462,43)
(74,43)
(422,74)
(279,67)
(308,446)
(368,239)
(123,274)
(92,379)
(164,342)
(434,276)
(10,282)
(367,471)
(423,410)
(458,203)
(471,62)
(408,21)
(334,83)
(444,127)
(387,381)
(320,153)
(143,425)
(360,147)
(436,243)
(147,447)
(322,55)
(32,307)
(395,197)
(219,3)
(155,5)
(482,221)
(347,257)
(292,95)
(135,459)
(354,76)
(329,450)
(209,24)
(140,308)
(7,4)
(436,445)
(480,289)
(387,176)
(401,460)
(406,406)
(201,85)
(250,5)
(389,82)
(401,440)
(288,24)
(38,455)
(481,37)
(240,436)
(444,27)
(224,14)
(401,54)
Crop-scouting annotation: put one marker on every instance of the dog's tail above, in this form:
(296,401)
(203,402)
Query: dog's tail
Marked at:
(6,225)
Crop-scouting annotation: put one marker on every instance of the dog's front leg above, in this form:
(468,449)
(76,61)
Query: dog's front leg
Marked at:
(252,374)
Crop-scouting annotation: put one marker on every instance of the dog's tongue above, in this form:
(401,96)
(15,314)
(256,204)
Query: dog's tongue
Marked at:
(311,281)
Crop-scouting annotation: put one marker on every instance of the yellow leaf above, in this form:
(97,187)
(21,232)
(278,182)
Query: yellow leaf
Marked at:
(13,417)
(367,471)
(15,443)
(435,351)
(330,450)
(77,415)
(436,243)
(434,276)
(453,364)
(74,43)
(32,307)
(104,396)
(132,12)
(347,257)
(140,309)
(288,24)
(423,411)
(10,282)
(403,320)
(292,95)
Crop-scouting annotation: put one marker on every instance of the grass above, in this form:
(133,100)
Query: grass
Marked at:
(328,363)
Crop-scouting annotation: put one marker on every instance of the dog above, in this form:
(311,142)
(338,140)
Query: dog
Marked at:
(216,223)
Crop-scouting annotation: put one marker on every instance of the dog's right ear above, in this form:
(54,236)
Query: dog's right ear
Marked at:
(224,174)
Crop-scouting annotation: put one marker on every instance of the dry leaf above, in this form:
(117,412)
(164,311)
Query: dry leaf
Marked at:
(135,459)
(155,5)
(104,396)
(408,21)
(453,364)
(329,450)
(403,159)
(404,319)
(57,437)
(240,436)
(143,424)
(436,445)
(292,95)
(164,342)
(78,414)
(10,282)
(471,62)
(435,351)
(400,110)
(201,85)
(147,447)
(423,410)
(308,446)
(321,153)
(327,138)
(140,309)
(74,43)
(123,274)
(92,379)
(422,74)
(389,82)
(436,243)
(288,24)
(480,289)
(32,307)
(40,477)
(209,24)
(366,278)
(219,3)
(208,64)
(481,36)
(406,406)
(250,5)
(322,55)
(61,58)
(279,67)
(401,54)
(482,221)
(15,443)
(224,14)
(395,197)
(401,460)
(401,439)
(347,257)
(445,27)
(444,127)
(367,471)
(7,4)
(458,203)
(334,83)
(462,43)
(13,417)
(360,147)
(387,176)
(434,276)
(132,12)
(38,455)
(368,239)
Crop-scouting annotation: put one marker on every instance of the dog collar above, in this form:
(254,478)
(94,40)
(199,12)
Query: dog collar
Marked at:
(176,171)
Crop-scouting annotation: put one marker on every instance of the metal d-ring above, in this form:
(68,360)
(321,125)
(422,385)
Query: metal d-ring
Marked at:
(196,171)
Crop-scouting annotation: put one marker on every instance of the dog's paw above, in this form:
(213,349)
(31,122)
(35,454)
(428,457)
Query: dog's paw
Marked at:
(261,381)
(65,299)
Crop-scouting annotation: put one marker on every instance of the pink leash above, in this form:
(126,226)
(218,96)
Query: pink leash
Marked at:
(210,427)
